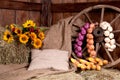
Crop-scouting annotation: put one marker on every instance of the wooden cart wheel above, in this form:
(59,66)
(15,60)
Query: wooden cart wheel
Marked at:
(99,43)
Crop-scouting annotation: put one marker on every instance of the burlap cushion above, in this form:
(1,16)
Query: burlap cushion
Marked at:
(49,58)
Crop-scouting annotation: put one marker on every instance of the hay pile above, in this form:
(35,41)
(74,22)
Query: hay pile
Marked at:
(64,76)
(104,74)
(12,53)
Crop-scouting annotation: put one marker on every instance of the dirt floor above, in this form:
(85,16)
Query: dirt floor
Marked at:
(104,74)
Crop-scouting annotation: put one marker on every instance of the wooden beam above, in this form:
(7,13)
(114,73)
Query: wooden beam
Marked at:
(46,16)
(77,7)
(18,5)
(64,7)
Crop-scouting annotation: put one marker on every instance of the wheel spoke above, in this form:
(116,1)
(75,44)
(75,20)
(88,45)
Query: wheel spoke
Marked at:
(108,53)
(117,44)
(113,63)
(86,14)
(115,19)
(102,14)
(97,47)
(116,31)
(84,49)
(73,54)
(75,26)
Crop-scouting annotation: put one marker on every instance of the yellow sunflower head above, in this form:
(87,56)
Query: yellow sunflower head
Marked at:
(12,26)
(41,35)
(8,37)
(27,33)
(28,24)
(23,38)
(37,43)
(18,31)
(33,36)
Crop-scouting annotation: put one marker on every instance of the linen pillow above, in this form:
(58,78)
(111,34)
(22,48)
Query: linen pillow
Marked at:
(49,58)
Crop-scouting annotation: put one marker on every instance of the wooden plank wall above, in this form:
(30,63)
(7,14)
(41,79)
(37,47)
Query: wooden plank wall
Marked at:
(19,16)
(57,16)
(22,16)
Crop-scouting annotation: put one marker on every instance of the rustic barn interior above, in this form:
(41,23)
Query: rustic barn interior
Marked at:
(46,13)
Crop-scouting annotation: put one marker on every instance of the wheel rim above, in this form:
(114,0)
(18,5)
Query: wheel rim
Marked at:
(102,7)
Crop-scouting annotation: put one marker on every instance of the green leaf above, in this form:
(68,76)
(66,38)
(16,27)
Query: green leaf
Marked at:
(44,28)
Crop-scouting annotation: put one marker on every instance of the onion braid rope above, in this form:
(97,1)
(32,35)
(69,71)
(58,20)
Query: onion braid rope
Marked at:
(109,36)
(90,41)
(79,40)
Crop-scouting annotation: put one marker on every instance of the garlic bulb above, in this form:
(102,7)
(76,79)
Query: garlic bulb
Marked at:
(104,25)
(112,41)
(106,33)
(107,39)
(109,49)
(113,46)
(111,35)
(107,45)
(110,28)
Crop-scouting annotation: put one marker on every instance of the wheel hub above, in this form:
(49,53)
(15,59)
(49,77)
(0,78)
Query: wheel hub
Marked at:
(98,34)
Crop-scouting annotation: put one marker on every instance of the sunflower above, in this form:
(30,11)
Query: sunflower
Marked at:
(37,43)
(33,36)
(12,27)
(8,37)
(28,24)
(23,38)
(18,31)
(27,33)
(41,35)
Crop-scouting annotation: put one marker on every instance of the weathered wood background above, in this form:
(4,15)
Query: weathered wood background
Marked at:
(8,16)
(19,16)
